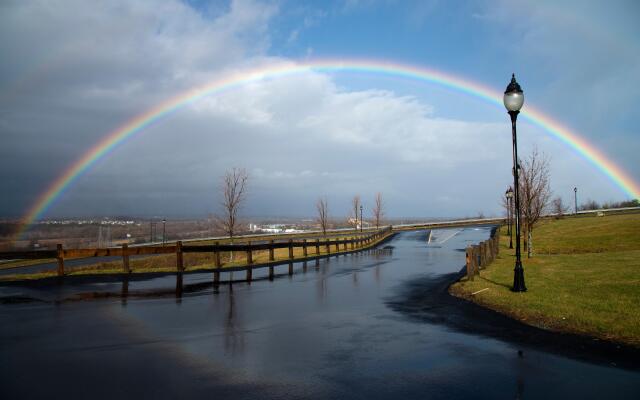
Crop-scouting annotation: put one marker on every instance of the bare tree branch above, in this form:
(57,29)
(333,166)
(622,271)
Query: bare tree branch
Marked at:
(355,204)
(558,207)
(323,214)
(378,209)
(535,193)
(234,185)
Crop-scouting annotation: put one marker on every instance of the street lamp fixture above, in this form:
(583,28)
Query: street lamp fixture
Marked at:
(513,101)
(361,221)
(509,196)
(164,231)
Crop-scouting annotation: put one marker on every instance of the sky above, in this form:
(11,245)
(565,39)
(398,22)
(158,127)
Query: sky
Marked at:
(73,71)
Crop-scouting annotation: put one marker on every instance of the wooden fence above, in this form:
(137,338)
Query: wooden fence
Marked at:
(310,250)
(482,254)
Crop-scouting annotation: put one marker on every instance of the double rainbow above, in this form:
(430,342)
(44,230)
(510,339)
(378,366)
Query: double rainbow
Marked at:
(140,122)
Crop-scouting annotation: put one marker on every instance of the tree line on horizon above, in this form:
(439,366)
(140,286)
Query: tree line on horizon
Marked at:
(234,192)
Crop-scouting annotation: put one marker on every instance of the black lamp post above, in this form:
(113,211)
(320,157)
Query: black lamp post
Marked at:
(575,199)
(361,222)
(164,222)
(513,101)
(509,195)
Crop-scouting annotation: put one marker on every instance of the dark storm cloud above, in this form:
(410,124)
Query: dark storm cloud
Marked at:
(74,71)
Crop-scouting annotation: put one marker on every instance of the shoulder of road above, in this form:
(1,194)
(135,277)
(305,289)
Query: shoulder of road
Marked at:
(583,278)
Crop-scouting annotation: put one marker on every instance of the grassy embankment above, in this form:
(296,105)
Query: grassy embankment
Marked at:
(584,278)
(193,261)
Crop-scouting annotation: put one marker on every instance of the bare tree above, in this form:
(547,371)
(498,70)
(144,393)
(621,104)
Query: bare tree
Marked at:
(355,204)
(590,205)
(535,193)
(558,207)
(234,184)
(323,214)
(378,211)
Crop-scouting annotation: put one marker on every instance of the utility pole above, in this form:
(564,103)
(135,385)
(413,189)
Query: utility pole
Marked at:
(152,231)
(575,199)
(164,222)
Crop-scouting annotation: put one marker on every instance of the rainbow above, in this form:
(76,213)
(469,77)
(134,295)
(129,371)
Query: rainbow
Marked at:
(233,80)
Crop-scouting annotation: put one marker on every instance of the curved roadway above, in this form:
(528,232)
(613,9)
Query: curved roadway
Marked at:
(378,324)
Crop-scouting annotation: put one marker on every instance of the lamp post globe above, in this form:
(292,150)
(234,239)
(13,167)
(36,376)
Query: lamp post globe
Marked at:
(513,101)
(513,96)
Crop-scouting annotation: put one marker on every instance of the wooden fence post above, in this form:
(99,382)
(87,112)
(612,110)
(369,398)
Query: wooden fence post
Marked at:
(249,253)
(290,248)
(474,261)
(317,246)
(179,263)
(469,260)
(327,245)
(487,249)
(337,244)
(495,247)
(345,246)
(290,268)
(125,258)
(271,272)
(217,256)
(352,243)
(304,247)
(249,274)
(271,257)
(487,254)
(60,258)
(218,264)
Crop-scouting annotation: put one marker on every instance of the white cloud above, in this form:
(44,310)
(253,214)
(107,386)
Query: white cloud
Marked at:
(73,77)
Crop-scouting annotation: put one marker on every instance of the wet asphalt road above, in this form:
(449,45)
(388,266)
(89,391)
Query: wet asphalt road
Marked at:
(372,325)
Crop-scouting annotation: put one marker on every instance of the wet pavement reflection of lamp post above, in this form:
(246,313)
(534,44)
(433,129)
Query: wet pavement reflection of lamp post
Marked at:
(509,195)
(513,101)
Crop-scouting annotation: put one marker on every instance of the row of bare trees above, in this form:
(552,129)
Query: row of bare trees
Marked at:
(234,189)
(353,218)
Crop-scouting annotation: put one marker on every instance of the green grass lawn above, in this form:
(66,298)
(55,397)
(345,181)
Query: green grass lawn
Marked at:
(584,278)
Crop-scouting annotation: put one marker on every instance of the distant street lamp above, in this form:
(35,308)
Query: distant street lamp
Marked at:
(513,101)
(575,200)
(361,221)
(164,231)
(509,195)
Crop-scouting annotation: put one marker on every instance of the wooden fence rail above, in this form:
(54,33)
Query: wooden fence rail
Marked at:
(480,255)
(60,254)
